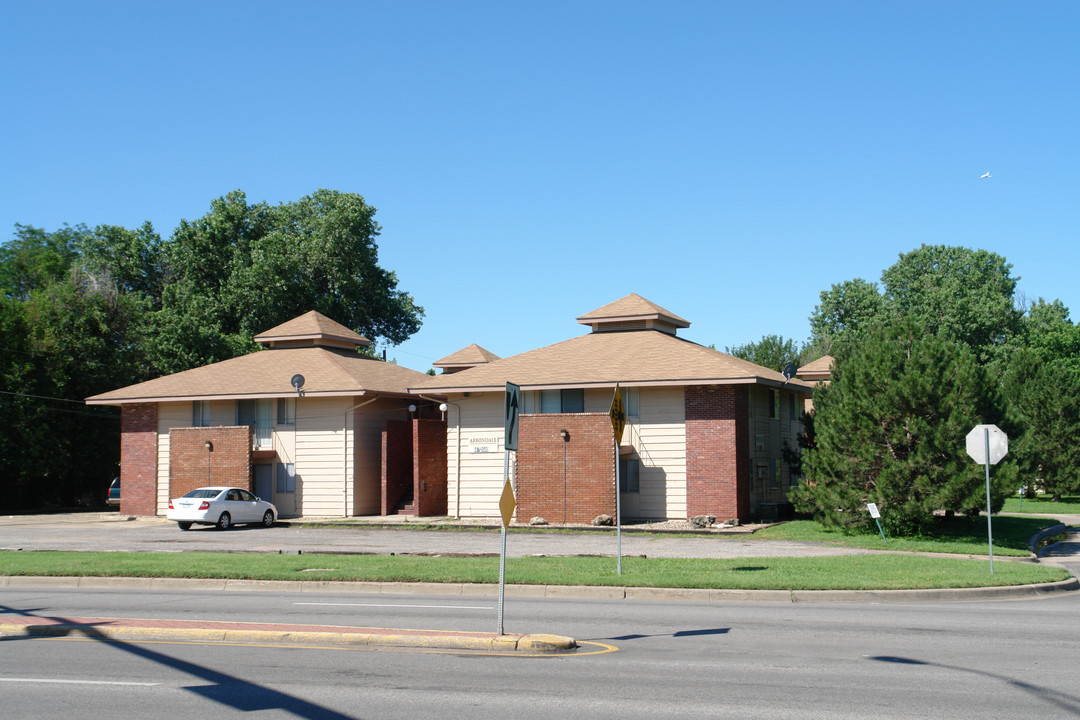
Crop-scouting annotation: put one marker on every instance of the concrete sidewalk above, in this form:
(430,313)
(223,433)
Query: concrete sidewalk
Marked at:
(206,631)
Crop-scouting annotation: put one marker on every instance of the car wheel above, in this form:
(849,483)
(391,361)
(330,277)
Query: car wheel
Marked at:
(184,525)
(268,519)
(224,522)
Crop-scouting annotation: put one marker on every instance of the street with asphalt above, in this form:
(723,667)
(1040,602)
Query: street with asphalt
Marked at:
(111,648)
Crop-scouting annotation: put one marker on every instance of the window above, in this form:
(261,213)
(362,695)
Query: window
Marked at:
(286,477)
(774,406)
(632,401)
(562,401)
(200,413)
(794,406)
(286,411)
(256,414)
(629,475)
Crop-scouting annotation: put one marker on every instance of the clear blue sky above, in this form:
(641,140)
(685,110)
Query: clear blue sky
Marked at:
(532,161)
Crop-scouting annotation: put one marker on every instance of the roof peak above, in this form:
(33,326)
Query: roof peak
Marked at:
(465,358)
(311,328)
(633,312)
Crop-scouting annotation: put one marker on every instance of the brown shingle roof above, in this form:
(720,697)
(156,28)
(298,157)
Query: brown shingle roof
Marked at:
(471,355)
(822,364)
(645,357)
(312,325)
(266,373)
(629,308)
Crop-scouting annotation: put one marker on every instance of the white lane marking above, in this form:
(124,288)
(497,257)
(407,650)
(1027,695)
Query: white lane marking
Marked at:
(444,607)
(78,682)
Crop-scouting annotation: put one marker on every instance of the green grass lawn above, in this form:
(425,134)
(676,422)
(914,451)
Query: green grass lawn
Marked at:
(853,572)
(963,536)
(1044,505)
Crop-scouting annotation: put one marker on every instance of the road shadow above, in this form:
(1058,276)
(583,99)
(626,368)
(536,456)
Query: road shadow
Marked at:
(679,634)
(1060,700)
(226,690)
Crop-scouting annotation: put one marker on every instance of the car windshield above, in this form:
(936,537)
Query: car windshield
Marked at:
(203,493)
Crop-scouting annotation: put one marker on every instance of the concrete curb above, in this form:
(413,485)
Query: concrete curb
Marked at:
(601,592)
(343,637)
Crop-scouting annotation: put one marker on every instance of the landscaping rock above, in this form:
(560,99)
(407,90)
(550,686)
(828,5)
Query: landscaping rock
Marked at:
(538,521)
(703,521)
(603,520)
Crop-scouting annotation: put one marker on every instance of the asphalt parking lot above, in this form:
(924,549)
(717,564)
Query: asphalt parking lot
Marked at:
(113,532)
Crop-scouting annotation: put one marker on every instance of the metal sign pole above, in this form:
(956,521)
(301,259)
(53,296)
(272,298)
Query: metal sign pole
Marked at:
(502,552)
(507,501)
(989,523)
(618,510)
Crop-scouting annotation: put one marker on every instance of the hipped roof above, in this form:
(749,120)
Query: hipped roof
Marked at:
(602,359)
(267,373)
(467,356)
(311,345)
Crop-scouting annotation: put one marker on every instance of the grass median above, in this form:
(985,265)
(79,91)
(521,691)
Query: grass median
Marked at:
(958,536)
(849,572)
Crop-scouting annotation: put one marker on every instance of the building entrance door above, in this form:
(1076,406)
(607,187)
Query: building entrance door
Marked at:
(264,482)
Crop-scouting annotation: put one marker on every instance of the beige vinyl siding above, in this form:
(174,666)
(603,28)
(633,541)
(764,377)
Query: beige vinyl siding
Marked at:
(170,415)
(475,479)
(320,446)
(366,425)
(659,439)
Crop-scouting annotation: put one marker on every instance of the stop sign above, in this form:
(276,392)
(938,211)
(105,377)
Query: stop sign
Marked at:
(977,446)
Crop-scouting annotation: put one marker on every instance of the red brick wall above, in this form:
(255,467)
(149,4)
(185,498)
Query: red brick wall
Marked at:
(397,471)
(429,467)
(138,459)
(589,489)
(229,463)
(717,463)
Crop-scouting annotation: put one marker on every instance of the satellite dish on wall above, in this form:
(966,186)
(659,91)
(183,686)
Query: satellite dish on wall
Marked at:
(297,382)
(789,371)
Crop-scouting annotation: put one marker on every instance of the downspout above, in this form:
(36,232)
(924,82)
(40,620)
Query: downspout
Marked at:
(457,454)
(345,455)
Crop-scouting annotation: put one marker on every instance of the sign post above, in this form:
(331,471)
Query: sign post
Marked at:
(618,424)
(507,502)
(876,514)
(986,445)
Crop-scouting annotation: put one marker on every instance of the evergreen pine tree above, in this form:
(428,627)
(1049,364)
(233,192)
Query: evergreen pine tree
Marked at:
(890,429)
(1043,401)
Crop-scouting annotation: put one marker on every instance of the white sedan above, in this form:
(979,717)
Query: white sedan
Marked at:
(221,506)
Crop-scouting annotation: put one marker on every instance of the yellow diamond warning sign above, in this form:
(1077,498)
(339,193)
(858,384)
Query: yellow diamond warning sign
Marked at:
(507,503)
(618,414)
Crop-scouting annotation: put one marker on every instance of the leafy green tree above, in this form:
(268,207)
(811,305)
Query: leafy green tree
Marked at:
(1047,331)
(1043,403)
(34,258)
(116,259)
(844,310)
(966,294)
(71,342)
(242,269)
(772,351)
(889,429)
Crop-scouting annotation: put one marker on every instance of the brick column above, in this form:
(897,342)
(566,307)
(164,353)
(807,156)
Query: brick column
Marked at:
(586,460)
(429,467)
(717,451)
(138,459)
